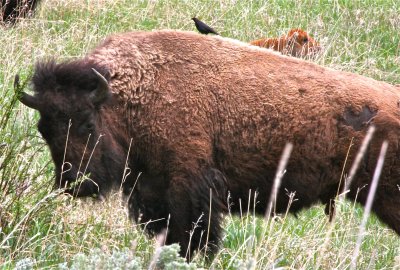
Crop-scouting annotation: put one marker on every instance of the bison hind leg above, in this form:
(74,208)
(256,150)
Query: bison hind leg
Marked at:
(386,204)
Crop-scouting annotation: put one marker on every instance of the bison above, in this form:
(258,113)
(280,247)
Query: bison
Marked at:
(191,126)
(13,9)
(297,43)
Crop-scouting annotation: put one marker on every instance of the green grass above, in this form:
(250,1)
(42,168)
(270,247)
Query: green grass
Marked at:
(357,36)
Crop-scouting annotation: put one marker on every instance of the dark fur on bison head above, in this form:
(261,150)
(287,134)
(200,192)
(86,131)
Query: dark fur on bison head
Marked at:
(69,97)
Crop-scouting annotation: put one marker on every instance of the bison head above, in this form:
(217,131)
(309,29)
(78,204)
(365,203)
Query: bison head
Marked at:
(299,43)
(72,99)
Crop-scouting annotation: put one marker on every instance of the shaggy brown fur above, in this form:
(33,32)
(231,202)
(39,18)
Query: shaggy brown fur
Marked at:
(11,10)
(296,43)
(201,116)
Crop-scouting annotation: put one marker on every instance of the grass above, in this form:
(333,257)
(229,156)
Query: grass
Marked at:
(48,229)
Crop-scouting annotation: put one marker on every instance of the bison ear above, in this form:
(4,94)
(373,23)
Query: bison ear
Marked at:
(101,93)
(26,99)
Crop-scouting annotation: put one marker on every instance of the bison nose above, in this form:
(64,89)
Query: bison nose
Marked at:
(66,177)
(76,183)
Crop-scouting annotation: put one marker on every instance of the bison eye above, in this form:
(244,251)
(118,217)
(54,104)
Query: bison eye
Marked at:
(86,128)
(305,40)
(90,127)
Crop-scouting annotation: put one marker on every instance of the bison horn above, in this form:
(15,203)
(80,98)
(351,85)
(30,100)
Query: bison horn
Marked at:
(101,92)
(26,99)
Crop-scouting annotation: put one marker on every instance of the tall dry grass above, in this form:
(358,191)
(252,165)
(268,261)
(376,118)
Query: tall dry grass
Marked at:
(46,228)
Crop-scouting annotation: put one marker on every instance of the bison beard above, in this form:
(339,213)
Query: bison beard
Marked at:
(181,120)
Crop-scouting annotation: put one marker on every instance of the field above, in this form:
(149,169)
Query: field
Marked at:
(40,228)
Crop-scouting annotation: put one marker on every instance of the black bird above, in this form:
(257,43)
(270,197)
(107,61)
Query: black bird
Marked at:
(202,27)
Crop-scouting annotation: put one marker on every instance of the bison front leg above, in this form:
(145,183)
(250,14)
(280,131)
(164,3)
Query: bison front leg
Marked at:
(196,203)
(147,202)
